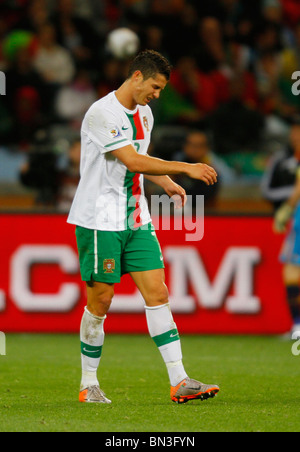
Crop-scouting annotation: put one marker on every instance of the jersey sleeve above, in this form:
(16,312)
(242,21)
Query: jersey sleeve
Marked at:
(105,130)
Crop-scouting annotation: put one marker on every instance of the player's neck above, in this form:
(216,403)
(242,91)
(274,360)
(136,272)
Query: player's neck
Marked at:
(125,96)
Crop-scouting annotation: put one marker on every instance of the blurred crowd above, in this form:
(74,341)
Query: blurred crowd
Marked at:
(233,62)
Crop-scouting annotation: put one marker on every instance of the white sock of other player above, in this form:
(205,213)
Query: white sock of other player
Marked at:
(91,339)
(163,331)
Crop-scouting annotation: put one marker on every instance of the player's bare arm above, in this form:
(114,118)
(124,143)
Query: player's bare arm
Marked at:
(285,212)
(167,184)
(295,196)
(145,164)
(172,189)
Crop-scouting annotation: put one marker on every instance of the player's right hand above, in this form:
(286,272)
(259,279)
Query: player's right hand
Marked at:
(203,172)
(282,216)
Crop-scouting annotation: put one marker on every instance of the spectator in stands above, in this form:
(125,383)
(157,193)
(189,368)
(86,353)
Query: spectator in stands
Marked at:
(167,7)
(40,172)
(177,44)
(27,99)
(235,126)
(239,19)
(54,177)
(188,28)
(268,37)
(289,63)
(69,177)
(273,76)
(110,76)
(272,11)
(74,99)
(75,34)
(267,72)
(196,149)
(37,15)
(267,65)
(238,65)
(203,90)
(209,48)
(291,12)
(53,61)
(4,28)
(168,16)
(291,54)
(153,38)
(13,12)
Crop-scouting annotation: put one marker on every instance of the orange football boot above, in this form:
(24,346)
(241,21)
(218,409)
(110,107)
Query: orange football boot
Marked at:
(189,389)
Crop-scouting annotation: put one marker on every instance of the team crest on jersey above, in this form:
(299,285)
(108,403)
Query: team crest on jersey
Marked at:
(115,132)
(146,124)
(109,265)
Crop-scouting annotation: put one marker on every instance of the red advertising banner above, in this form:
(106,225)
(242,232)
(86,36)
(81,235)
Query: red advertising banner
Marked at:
(224,279)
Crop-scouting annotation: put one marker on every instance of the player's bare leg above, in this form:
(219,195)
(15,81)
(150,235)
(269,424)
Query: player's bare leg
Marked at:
(163,331)
(291,279)
(99,297)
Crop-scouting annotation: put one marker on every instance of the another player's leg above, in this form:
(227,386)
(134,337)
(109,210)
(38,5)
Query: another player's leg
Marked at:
(291,277)
(163,331)
(92,338)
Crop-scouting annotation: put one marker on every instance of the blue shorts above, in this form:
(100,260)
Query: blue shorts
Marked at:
(290,253)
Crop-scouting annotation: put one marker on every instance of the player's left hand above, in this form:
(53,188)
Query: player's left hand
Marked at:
(282,216)
(178,194)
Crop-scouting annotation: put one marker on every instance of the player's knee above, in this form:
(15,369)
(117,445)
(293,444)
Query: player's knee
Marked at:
(163,296)
(105,298)
(291,274)
(99,303)
(159,296)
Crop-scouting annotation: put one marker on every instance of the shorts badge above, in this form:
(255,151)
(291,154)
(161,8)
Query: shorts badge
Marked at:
(109,265)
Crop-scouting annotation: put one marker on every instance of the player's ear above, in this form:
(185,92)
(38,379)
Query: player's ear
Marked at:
(137,76)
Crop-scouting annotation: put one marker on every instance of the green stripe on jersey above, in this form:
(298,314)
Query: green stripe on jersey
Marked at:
(136,124)
(128,184)
(90,350)
(134,130)
(115,142)
(166,338)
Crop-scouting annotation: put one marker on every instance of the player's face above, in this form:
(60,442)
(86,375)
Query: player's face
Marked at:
(149,89)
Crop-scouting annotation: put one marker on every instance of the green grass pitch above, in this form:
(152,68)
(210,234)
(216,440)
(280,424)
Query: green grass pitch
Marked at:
(259,379)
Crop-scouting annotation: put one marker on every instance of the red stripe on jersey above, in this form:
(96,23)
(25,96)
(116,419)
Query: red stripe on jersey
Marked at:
(136,192)
(138,125)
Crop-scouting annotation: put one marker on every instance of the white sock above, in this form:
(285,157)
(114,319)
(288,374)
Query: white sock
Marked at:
(163,331)
(91,339)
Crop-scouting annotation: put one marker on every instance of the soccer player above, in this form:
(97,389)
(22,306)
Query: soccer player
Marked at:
(290,254)
(114,232)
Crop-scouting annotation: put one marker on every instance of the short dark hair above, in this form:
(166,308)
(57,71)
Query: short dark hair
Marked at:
(150,63)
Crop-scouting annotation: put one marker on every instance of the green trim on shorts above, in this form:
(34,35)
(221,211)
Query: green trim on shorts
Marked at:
(105,256)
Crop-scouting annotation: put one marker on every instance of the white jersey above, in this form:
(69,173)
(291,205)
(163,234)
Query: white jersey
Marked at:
(109,197)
